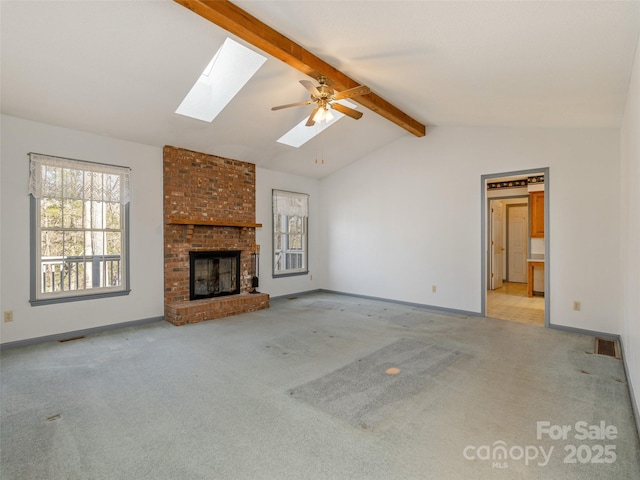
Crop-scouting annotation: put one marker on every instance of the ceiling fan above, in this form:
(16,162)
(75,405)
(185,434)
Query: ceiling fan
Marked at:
(324,97)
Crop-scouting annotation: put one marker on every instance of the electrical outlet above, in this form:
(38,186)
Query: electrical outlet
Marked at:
(433,289)
(8,316)
(576,305)
(310,277)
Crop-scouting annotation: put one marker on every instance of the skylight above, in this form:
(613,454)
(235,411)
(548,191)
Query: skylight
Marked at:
(228,71)
(301,134)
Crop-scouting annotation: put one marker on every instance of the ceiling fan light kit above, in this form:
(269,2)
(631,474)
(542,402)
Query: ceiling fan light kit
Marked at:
(323,115)
(324,97)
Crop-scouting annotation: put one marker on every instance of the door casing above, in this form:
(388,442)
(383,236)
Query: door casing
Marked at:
(485,219)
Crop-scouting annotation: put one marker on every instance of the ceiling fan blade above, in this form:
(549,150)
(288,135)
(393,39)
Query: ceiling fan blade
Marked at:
(280,107)
(311,122)
(346,110)
(352,92)
(311,87)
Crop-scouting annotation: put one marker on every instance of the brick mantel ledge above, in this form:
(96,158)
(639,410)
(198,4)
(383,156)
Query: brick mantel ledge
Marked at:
(212,223)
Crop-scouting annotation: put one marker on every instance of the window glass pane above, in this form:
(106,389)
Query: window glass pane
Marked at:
(111,272)
(114,243)
(51,244)
(51,181)
(52,275)
(295,225)
(95,243)
(74,244)
(111,184)
(82,275)
(72,184)
(113,215)
(72,213)
(93,184)
(295,242)
(51,213)
(96,214)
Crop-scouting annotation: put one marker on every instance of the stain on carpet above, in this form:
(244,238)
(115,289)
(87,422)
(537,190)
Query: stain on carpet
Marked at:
(326,305)
(363,393)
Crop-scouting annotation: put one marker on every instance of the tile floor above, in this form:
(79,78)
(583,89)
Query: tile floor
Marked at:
(510,302)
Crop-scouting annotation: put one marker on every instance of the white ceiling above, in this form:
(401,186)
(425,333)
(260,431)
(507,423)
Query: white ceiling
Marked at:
(121,68)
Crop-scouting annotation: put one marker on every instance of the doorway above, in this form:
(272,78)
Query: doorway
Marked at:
(507,248)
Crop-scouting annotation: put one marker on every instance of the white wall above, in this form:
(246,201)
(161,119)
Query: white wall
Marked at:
(408,216)
(19,137)
(630,187)
(266,181)
(390,225)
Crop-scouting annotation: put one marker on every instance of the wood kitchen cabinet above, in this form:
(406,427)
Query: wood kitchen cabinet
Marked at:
(536,214)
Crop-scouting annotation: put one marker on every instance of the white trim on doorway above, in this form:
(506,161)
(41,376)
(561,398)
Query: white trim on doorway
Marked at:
(484,252)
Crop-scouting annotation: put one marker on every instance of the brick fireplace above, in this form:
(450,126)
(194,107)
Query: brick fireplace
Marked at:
(209,205)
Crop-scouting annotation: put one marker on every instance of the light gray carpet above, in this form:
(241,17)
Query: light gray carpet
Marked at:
(296,392)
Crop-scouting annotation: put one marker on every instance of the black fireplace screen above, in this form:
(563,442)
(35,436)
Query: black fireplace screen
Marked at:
(214,274)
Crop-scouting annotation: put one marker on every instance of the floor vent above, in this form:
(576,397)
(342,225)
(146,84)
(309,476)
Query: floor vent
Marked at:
(607,347)
(70,339)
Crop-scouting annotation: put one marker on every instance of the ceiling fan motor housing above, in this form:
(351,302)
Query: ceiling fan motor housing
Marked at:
(325,91)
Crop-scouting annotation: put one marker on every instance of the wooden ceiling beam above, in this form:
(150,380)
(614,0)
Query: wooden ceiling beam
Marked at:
(245,26)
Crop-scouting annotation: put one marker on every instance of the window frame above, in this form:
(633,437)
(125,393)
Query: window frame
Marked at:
(304,270)
(37,297)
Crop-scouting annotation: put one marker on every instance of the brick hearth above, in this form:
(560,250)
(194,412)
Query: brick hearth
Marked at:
(209,204)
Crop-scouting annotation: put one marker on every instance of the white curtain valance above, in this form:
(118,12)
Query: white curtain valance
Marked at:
(77,180)
(290,204)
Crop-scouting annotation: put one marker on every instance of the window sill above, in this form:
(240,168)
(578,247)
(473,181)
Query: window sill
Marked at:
(77,298)
(291,274)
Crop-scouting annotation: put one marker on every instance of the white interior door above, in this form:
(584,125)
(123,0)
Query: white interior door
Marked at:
(497,246)
(517,228)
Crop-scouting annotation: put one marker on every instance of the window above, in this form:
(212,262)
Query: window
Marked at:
(79,229)
(229,70)
(290,218)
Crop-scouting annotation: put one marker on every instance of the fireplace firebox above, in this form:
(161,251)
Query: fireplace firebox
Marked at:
(214,274)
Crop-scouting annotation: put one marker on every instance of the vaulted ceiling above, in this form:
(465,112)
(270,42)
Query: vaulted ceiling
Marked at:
(121,68)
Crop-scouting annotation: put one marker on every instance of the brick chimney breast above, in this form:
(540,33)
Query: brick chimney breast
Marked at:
(209,205)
